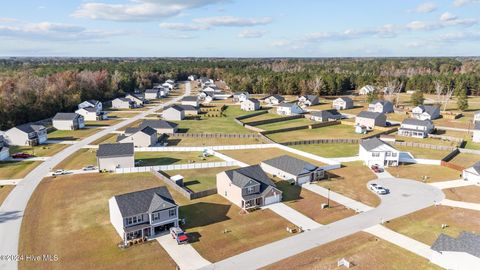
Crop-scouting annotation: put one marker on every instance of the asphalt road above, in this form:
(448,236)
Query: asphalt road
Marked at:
(406,196)
(12,209)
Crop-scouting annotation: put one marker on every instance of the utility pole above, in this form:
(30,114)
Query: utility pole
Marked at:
(328,198)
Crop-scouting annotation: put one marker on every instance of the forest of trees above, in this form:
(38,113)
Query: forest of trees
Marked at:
(37,88)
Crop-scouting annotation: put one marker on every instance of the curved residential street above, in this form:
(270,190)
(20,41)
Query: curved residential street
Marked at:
(406,196)
(12,209)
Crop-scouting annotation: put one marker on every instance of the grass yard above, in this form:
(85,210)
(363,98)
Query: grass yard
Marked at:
(16,169)
(465,160)
(110,138)
(330,132)
(84,239)
(423,152)
(211,142)
(364,250)
(425,140)
(463,122)
(116,115)
(169,158)
(287,124)
(265,116)
(332,150)
(199,179)
(471,145)
(255,156)
(425,225)
(351,181)
(397,117)
(103,123)
(218,229)
(133,124)
(43,150)
(4,191)
(434,173)
(465,194)
(79,159)
(71,135)
(309,203)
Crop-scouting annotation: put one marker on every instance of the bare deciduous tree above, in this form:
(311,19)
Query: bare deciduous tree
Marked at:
(392,91)
(316,85)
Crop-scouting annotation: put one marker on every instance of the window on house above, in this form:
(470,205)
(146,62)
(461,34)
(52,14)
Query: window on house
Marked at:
(375,154)
(394,154)
(250,190)
(388,154)
(172,212)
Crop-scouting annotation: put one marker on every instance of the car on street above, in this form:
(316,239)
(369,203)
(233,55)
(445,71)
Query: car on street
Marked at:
(89,168)
(60,172)
(21,155)
(376,168)
(378,189)
(179,235)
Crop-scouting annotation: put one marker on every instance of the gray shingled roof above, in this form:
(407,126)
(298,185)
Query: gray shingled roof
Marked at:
(428,109)
(148,130)
(476,167)
(370,115)
(383,102)
(310,97)
(249,176)
(190,98)
(144,201)
(187,107)
(152,91)
(29,127)
(287,105)
(346,99)
(156,124)
(90,109)
(466,242)
(115,150)
(124,99)
(175,107)
(333,114)
(417,122)
(291,165)
(278,97)
(66,116)
(477,125)
(372,143)
(254,100)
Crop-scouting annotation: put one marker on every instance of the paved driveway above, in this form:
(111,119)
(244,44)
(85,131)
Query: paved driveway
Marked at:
(293,216)
(12,209)
(185,256)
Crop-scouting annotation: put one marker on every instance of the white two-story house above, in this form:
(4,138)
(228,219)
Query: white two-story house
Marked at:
(288,109)
(26,135)
(426,112)
(143,214)
(416,128)
(380,106)
(377,152)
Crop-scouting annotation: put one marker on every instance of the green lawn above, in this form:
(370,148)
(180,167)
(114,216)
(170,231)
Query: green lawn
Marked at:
(16,169)
(79,159)
(330,150)
(465,160)
(265,116)
(434,173)
(110,138)
(43,150)
(433,141)
(169,158)
(211,142)
(71,135)
(199,179)
(4,191)
(471,145)
(423,152)
(103,123)
(286,124)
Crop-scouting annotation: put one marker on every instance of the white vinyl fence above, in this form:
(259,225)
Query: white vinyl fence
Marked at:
(202,148)
(177,167)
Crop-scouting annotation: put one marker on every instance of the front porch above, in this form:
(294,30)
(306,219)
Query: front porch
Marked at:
(252,202)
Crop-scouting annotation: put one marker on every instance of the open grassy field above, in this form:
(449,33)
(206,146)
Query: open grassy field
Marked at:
(225,124)
(43,150)
(71,135)
(16,169)
(330,132)
(310,204)
(79,159)
(363,250)
(434,173)
(84,239)
(212,142)
(255,156)
(332,150)
(351,180)
(426,225)
(110,138)
(4,191)
(423,152)
(287,124)
(465,160)
(168,158)
(199,179)
(465,194)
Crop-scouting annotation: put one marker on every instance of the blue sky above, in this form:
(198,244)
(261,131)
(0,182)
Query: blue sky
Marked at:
(240,28)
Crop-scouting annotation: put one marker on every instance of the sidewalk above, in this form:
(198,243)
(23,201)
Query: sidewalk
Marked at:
(452,184)
(347,202)
(185,256)
(293,216)
(9,182)
(466,205)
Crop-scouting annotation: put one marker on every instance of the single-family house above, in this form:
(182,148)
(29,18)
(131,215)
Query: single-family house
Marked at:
(289,109)
(205,80)
(248,187)
(292,169)
(416,128)
(240,96)
(29,134)
(173,112)
(153,93)
(141,137)
(325,115)
(342,103)
(161,126)
(190,100)
(211,89)
(274,99)
(426,112)
(91,114)
(476,117)
(251,104)
(476,132)
(472,173)
(137,100)
(91,103)
(366,90)
(122,103)
(374,151)
(111,156)
(192,77)
(459,253)
(370,119)
(380,106)
(308,100)
(68,121)
(168,85)
(209,97)
(143,214)
(4,150)
(189,110)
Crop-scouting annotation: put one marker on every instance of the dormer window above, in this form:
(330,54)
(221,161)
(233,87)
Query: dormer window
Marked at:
(250,190)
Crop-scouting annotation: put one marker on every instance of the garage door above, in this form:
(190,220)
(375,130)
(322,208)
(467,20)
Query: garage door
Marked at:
(272,199)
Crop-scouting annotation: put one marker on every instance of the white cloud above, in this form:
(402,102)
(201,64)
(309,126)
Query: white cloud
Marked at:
(446,20)
(459,36)
(138,10)
(421,25)
(426,7)
(233,21)
(248,33)
(447,16)
(183,26)
(8,20)
(460,3)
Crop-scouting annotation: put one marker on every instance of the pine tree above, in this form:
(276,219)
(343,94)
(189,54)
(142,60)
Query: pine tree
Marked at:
(417,98)
(462,100)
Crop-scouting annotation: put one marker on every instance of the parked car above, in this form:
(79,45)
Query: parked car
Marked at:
(376,168)
(89,168)
(21,155)
(179,235)
(388,124)
(378,189)
(60,172)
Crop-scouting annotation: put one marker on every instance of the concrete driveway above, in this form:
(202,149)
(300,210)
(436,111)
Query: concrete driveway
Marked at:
(185,256)
(12,209)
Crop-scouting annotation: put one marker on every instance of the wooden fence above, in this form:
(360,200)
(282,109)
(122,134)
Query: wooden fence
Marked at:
(275,120)
(214,135)
(251,115)
(426,146)
(452,166)
(182,190)
(323,141)
(312,126)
